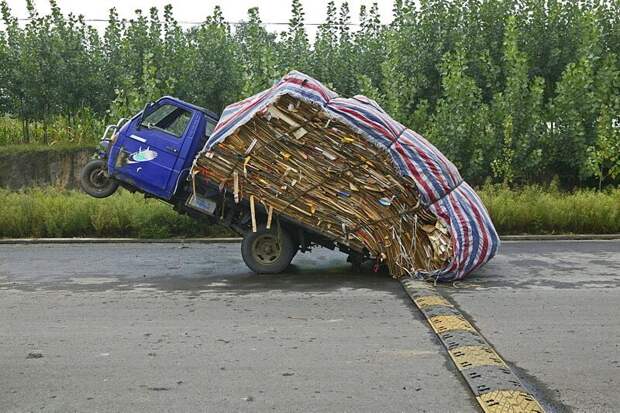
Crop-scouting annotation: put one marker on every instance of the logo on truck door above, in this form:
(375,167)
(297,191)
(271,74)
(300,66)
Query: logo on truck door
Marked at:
(142,155)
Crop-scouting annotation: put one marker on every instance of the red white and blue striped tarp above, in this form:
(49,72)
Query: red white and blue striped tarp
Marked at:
(441,188)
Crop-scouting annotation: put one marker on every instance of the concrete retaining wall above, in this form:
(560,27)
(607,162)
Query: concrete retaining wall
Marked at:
(25,167)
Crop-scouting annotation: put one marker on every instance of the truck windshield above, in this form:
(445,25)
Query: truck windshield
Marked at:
(168,118)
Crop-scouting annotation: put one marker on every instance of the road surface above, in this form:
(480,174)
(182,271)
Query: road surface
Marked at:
(173,327)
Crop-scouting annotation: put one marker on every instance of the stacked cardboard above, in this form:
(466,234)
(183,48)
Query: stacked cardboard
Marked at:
(296,160)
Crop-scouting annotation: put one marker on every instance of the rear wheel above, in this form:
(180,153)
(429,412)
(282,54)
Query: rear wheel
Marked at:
(268,251)
(356,259)
(94,179)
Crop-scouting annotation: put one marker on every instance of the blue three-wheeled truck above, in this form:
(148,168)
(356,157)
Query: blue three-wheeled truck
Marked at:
(153,153)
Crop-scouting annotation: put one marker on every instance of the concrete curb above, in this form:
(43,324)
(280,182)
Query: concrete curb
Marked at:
(118,241)
(567,237)
(510,238)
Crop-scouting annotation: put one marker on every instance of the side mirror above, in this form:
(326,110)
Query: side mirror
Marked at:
(148,109)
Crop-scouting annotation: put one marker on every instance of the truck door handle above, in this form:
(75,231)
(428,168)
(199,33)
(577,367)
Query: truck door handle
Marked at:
(172,149)
(137,138)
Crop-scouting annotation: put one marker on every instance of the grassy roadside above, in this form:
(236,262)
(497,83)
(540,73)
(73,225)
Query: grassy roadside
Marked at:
(535,210)
(47,212)
(83,129)
(61,148)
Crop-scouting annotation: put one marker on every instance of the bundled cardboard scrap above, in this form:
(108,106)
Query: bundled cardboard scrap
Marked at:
(298,157)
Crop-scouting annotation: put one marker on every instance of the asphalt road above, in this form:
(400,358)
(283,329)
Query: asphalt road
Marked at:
(170,327)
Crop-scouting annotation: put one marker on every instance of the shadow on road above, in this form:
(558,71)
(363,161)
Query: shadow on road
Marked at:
(296,278)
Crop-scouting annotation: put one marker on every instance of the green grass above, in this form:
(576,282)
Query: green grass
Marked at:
(32,148)
(47,212)
(536,210)
(84,129)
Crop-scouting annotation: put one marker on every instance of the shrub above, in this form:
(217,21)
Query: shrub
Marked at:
(49,212)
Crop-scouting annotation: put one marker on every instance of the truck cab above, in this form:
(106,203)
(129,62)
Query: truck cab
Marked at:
(153,151)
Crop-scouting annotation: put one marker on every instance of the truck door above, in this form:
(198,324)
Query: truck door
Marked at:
(150,152)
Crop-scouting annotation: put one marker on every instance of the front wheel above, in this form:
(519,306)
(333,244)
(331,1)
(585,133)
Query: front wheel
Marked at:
(267,251)
(95,181)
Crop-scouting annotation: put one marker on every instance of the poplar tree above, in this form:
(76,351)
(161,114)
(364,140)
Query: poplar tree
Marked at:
(258,54)
(517,113)
(295,48)
(216,72)
(369,45)
(456,126)
(325,53)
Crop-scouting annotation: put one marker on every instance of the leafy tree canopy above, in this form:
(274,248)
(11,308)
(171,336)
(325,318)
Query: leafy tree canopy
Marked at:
(513,91)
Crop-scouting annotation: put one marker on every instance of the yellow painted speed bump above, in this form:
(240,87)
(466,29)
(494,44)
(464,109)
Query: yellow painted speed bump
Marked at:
(443,323)
(509,401)
(496,388)
(430,300)
(474,356)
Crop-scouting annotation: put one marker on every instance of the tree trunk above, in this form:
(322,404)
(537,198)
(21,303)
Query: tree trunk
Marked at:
(45,140)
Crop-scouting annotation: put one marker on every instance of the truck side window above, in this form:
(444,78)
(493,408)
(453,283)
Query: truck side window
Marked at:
(168,118)
(209,128)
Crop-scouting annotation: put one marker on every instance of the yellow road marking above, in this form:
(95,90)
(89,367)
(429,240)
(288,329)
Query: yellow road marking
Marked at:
(509,401)
(443,323)
(473,356)
(493,398)
(418,285)
(431,300)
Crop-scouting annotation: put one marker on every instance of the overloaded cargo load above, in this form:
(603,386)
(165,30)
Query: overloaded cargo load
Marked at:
(346,169)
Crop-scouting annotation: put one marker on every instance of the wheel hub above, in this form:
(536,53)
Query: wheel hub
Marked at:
(266,249)
(98,178)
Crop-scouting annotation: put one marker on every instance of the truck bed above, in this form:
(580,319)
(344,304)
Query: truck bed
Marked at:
(345,170)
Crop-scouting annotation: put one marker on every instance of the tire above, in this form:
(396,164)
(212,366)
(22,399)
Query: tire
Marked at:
(356,259)
(267,252)
(94,181)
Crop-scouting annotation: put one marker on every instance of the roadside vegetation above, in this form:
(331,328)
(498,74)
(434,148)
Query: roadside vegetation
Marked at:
(15,150)
(48,212)
(516,91)
(85,129)
(522,95)
(546,210)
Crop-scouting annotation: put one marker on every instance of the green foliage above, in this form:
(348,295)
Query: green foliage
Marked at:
(85,128)
(215,75)
(460,112)
(573,112)
(48,212)
(294,48)
(326,45)
(604,156)
(367,88)
(258,54)
(517,111)
(513,91)
(538,210)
